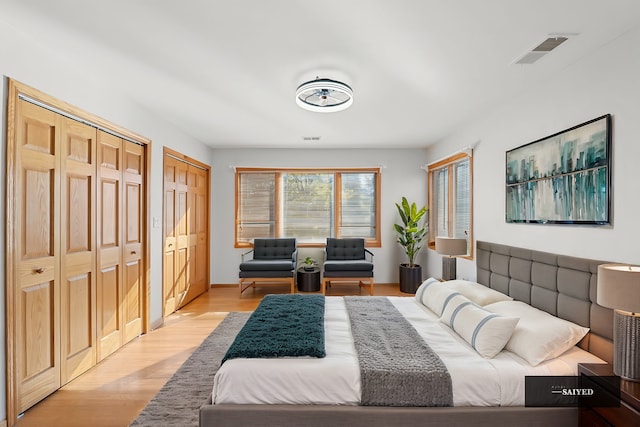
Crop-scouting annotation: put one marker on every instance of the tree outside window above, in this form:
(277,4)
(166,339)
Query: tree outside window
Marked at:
(309,205)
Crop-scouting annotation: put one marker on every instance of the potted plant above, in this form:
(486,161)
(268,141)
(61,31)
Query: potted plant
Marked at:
(309,264)
(410,235)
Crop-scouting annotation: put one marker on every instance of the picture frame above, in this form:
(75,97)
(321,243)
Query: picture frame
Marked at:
(564,178)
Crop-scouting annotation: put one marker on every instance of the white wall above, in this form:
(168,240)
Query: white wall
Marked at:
(604,82)
(22,59)
(401,176)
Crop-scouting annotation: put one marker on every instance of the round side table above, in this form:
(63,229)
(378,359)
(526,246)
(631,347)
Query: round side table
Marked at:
(308,280)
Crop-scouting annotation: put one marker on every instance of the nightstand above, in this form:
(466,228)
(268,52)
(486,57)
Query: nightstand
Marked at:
(627,414)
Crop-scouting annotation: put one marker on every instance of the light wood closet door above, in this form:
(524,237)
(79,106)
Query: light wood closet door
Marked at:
(120,213)
(133,233)
(169,262)
(76,245)
(36,306)
(182,268)
(78,249)
(186,232)
(109,243)
(197,228)
(202,230)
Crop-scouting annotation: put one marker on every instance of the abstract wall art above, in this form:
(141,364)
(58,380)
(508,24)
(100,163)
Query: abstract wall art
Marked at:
(564,178)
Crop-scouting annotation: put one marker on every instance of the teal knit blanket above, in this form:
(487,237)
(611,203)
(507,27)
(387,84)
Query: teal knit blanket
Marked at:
(282,326)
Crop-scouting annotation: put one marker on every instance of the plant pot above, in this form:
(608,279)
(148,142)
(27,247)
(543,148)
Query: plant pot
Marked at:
(309,267)
(410,278)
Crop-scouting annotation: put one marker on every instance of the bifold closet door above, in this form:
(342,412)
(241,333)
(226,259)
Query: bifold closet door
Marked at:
(176,257)
(109,242)
(197,213)
(56,213)
(80,219)
(134,213)
(76,246)
(182,270)
(200,229)
(78,252)
(37,286)
(186,232)
(169,262)
(120,218)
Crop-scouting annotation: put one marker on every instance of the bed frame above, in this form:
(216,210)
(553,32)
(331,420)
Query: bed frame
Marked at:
(561,285)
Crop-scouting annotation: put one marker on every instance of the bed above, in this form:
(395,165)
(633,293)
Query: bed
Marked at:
(560,285)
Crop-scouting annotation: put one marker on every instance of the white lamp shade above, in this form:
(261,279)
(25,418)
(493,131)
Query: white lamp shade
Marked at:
(619,287)
(451,246)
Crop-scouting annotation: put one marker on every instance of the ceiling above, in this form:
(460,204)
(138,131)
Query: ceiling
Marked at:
(225,72)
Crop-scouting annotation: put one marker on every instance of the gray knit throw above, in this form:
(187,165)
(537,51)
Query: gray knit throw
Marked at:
(397,367)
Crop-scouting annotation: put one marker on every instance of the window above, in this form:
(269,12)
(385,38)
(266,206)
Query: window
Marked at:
(309,205)
(450,199)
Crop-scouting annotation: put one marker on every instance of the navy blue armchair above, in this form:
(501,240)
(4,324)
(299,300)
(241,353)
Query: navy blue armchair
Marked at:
(347,260)
(274,261)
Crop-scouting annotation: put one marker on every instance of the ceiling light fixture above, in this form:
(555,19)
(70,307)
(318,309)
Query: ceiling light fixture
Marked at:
(324,95)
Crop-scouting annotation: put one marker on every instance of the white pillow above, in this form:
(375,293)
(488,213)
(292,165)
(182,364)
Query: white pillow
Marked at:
(486,332)
(434,295)
(480,294)
(423,287)
(538,336)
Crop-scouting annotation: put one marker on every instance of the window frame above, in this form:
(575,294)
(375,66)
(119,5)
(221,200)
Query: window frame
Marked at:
(376,242)
(448,163)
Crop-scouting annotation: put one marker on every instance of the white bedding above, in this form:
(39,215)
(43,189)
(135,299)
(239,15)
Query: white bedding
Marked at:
(335,379)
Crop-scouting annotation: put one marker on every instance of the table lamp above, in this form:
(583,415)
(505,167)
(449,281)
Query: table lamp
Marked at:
(450,247)
(619,289)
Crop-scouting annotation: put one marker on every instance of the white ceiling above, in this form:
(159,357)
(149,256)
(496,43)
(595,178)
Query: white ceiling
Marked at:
(225,72)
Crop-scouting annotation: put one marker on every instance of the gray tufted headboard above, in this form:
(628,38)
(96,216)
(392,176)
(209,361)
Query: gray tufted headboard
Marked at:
(560,285)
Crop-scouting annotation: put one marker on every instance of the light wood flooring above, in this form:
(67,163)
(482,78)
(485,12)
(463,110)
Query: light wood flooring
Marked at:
(118,388)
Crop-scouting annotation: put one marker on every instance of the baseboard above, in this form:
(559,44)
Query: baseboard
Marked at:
(3,423)
(155,325)
(235,285)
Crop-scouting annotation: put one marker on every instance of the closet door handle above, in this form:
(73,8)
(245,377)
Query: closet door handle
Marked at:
(133,252)
(39,270)
(170,244)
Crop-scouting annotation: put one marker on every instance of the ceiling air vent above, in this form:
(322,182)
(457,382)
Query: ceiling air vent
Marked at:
(541,50)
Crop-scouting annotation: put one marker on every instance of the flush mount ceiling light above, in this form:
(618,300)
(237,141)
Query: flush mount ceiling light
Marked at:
(324,95)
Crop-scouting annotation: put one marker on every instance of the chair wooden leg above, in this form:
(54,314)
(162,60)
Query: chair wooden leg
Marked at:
(241,282)
(244,283)
(368,285)
(362,283)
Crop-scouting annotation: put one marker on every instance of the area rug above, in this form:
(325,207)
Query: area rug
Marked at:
(179,400)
